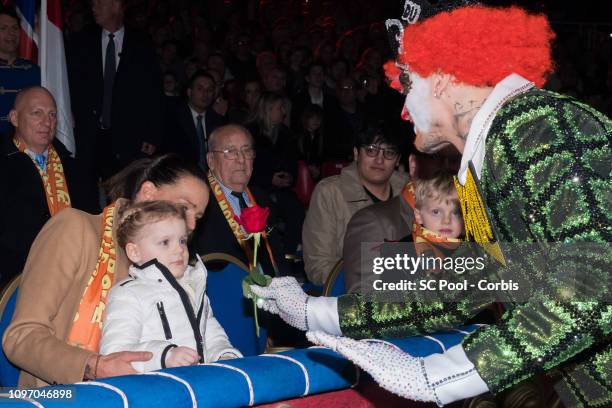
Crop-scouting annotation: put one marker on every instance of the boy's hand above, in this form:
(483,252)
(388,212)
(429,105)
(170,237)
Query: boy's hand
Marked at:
(181,356)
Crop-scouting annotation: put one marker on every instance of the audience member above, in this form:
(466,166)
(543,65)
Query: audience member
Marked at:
(118,115)
(345,119)
(55,331)
(370,179)
(154,237)
(15,73)
(313,93)
(169,60)
(275,168)
(265,62)
(337,70)
(194,120)
(311,139)
(241,63)
(39,178)
(390,220)
(230,158)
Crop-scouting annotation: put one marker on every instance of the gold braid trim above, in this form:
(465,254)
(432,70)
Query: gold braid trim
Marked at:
(477,222)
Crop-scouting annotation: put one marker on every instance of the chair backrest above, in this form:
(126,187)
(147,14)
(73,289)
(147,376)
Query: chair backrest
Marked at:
(333,167)
(304,184)
(9,374)
(232,310)
(334,285)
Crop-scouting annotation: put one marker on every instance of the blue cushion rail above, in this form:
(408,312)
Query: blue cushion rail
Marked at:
(241,382)
(9,374)
(233,311)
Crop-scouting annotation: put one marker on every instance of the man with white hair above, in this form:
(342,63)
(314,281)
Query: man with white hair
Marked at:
(535,169)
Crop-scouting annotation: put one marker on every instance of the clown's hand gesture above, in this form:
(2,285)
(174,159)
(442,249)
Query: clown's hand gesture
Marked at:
(285,297)
(439,378)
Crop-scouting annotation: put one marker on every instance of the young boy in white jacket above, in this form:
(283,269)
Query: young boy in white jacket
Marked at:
(162,306)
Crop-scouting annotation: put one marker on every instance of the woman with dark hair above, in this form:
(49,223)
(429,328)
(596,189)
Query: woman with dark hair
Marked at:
(74,261)
(310,140)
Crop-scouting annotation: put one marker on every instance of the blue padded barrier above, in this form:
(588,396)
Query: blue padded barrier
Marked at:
(233,311)
(338,288)
(9,374)
(250,380)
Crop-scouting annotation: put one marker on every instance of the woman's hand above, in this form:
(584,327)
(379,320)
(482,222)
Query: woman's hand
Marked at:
(282,179)
(114,364)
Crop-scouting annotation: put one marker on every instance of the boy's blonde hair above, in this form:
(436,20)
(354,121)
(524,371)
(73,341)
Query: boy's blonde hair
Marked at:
(136,215)
(440,185)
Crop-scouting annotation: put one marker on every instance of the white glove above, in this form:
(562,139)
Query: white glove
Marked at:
(284,297)
(393,369)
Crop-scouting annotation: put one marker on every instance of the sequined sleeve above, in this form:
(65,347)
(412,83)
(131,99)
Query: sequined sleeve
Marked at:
(377,316)
(547,180)
(363,318)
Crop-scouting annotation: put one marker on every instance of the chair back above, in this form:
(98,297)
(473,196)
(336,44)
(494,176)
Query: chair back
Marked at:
(233,311)
(304,185)
(334,285)
(9,374)
(333,167)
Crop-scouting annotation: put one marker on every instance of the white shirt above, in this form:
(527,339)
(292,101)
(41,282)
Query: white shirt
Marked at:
(119,34)
(316,100)
(194,115)
(33,156)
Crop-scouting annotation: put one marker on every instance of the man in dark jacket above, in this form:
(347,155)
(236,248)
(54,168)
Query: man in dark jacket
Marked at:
(116,92)
(37,178)
(194,120)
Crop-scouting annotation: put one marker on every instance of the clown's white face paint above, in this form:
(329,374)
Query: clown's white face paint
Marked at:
(418,104)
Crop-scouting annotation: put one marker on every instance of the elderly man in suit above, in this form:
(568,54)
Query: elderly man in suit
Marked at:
(230,157)
(195,120)
(116,92)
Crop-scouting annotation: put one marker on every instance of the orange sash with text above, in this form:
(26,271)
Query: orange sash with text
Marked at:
(53,179)
(229,214)
(87,325)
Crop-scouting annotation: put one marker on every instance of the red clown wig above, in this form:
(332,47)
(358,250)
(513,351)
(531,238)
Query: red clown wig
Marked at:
(480,45)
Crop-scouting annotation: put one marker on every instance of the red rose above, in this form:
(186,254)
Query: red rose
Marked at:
(253,219)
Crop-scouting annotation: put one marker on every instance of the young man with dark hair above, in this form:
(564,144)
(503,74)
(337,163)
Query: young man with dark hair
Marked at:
(371,178)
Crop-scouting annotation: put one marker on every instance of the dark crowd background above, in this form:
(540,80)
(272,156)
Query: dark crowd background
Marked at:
(253,46)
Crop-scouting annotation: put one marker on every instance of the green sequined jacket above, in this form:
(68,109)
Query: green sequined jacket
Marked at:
(546,178)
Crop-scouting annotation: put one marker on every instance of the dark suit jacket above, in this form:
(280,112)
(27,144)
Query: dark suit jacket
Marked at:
(385,221)
(137,107)
(213,234)
(23,208)
(181,135)
(272,158)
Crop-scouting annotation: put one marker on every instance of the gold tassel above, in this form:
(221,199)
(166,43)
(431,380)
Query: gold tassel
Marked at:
(477,223)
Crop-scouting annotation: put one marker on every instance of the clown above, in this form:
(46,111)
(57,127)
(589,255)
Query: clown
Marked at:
(472,76)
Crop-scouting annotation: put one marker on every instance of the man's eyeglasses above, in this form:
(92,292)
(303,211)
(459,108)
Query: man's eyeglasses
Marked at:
(233,154)
(372,150)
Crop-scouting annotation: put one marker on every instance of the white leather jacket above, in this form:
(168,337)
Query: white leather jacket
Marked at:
(150,311)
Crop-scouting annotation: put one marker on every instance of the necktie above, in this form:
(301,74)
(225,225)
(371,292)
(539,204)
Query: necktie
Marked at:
(109,80)
(241,199)
(201,142)
(41,160)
